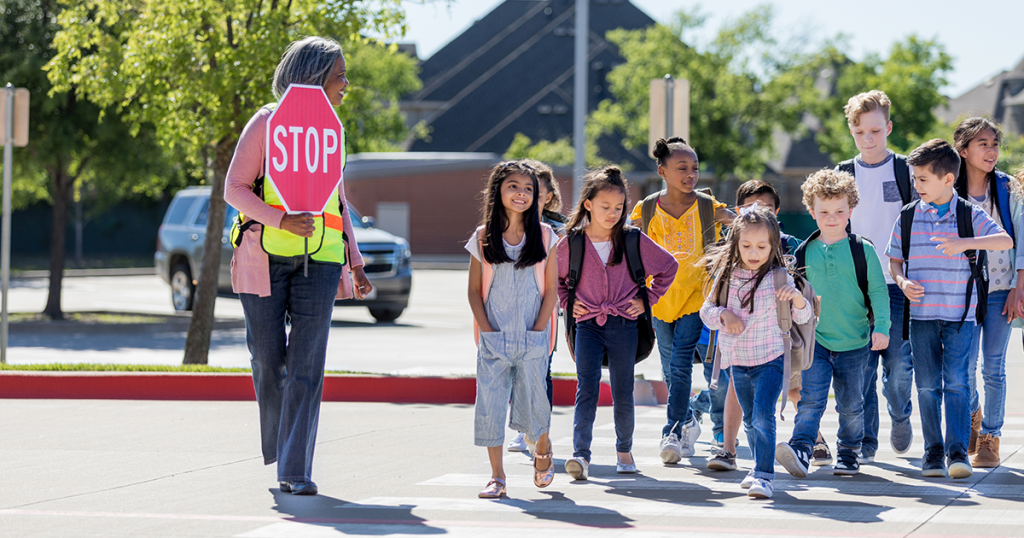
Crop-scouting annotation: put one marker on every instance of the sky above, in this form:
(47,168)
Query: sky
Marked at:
(982,41)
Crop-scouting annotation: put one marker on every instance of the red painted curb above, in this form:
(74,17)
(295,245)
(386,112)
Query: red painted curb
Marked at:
(234,387)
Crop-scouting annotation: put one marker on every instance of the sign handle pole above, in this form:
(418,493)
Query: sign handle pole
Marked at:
(305,258)
(5,235)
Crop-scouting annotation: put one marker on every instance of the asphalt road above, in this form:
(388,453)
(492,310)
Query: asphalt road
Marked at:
(433,337)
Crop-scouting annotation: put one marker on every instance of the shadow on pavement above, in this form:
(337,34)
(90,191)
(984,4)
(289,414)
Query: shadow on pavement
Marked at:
(326,511)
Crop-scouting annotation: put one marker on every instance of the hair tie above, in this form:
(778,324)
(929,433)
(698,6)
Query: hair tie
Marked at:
(744,211)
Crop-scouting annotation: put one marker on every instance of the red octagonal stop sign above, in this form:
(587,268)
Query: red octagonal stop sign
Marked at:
(304,149)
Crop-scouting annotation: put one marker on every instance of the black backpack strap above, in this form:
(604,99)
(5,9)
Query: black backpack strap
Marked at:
(847,166)
(577,247)
(901,170)
(975,260)
(648,207)
(706,211)
(860,266)
(906,223)
(635,264)
(800,254)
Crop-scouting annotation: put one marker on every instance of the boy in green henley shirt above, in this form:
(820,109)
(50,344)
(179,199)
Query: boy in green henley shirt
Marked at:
(844,336)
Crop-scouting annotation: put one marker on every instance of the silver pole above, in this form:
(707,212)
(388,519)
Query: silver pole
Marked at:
(5,238)
(579,112)
(670,84)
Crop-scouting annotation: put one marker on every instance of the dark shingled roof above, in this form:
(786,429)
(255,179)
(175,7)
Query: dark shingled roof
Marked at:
(512,72)
(1000,97)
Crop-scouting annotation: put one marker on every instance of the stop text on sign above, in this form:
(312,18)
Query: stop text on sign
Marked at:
(315,144)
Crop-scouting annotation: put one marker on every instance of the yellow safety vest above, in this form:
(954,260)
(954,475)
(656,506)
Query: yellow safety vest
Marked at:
(328,242)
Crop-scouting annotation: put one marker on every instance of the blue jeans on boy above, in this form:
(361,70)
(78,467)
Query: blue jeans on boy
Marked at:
(288,368)
(676,342)
(897,375)
(846,371)
(941,350)
(617,338)
(711,402)
(991,338)
(758,389)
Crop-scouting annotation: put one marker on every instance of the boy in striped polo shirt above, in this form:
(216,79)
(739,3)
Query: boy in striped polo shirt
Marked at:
(942,307)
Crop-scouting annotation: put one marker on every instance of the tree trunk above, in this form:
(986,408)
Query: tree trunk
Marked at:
(197,344)
(62,182)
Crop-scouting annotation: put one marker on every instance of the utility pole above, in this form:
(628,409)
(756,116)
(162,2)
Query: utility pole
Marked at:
(579,110)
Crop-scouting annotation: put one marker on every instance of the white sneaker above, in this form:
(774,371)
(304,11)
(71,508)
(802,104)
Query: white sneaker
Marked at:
(671,450)
(517,444)
(577,468)
(691,432)
(760,489)
(748,480)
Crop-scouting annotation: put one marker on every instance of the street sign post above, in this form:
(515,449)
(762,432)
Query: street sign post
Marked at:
(304,151)
(14,123)
(669,110)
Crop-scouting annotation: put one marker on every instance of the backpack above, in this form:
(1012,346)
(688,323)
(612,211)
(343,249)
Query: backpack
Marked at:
(900,169)
(798,339)
(539,270)
(645,324)
(976,259)
(858,245)
(705,209)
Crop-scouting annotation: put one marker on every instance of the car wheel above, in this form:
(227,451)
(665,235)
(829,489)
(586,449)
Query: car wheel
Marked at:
(383,315)
(182,289)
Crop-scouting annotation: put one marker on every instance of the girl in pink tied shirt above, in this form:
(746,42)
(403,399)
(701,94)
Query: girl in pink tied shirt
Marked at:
(606,308)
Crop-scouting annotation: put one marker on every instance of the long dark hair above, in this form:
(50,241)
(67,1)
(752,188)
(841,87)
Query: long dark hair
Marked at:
(965,133)
(496,220)
(722,260)
(608,178)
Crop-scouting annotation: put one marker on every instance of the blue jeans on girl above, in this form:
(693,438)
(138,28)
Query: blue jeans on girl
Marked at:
(676,342)
(288,366)
(941,350)
(846,371)
(991,337)
(618,339)
(758,389)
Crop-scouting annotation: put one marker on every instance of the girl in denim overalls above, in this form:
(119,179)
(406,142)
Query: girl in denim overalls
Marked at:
(512,291)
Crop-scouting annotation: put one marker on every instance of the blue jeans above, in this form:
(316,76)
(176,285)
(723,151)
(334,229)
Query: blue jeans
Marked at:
(897,375)
(676,342)
(992,337)
(710,401)
(758,389)
(941,350)
(846,371)
(288,366)
(617,338)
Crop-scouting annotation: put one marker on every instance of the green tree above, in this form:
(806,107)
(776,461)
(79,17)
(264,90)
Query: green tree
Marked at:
(198,69)
(68,144)
(912,75)
(744,86)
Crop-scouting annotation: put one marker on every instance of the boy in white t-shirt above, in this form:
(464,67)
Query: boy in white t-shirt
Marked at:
(883,180)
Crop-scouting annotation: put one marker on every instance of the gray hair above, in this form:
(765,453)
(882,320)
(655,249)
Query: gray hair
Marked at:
(307,61)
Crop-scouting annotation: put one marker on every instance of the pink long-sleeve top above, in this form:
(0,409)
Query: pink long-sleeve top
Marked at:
(606,290)
(250,266)
(761,340)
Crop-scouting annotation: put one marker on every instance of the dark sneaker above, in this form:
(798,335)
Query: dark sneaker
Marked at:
(846,464)
(723,460)
(932,466)
(796,460)
(959,468)
(821,456)
(901,436)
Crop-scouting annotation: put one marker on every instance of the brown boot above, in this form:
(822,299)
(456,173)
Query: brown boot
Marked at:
(972,446)
(988,452)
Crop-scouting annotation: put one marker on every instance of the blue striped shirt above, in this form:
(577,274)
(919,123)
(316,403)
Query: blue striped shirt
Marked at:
(944,277)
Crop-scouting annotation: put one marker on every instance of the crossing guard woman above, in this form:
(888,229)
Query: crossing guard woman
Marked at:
(288,365)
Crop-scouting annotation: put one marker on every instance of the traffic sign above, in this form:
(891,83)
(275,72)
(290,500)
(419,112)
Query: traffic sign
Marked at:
(304,149)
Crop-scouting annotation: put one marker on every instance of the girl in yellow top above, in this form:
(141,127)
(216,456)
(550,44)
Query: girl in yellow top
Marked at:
(677,227)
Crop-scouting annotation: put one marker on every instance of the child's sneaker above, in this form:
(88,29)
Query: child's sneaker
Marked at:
(901,436)
(821,456)
(723,460)
(748,480)
(577,468)
(720,439)
(671,451)
(796,460)
(959,468)
(760,489)
(518,443)
(867,455)
(691,432)
(846,464)
(932,466)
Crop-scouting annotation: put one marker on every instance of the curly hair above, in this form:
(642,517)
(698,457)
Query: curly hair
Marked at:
(829,184)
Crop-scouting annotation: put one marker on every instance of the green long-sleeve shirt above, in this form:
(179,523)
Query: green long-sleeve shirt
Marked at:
(843,325)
